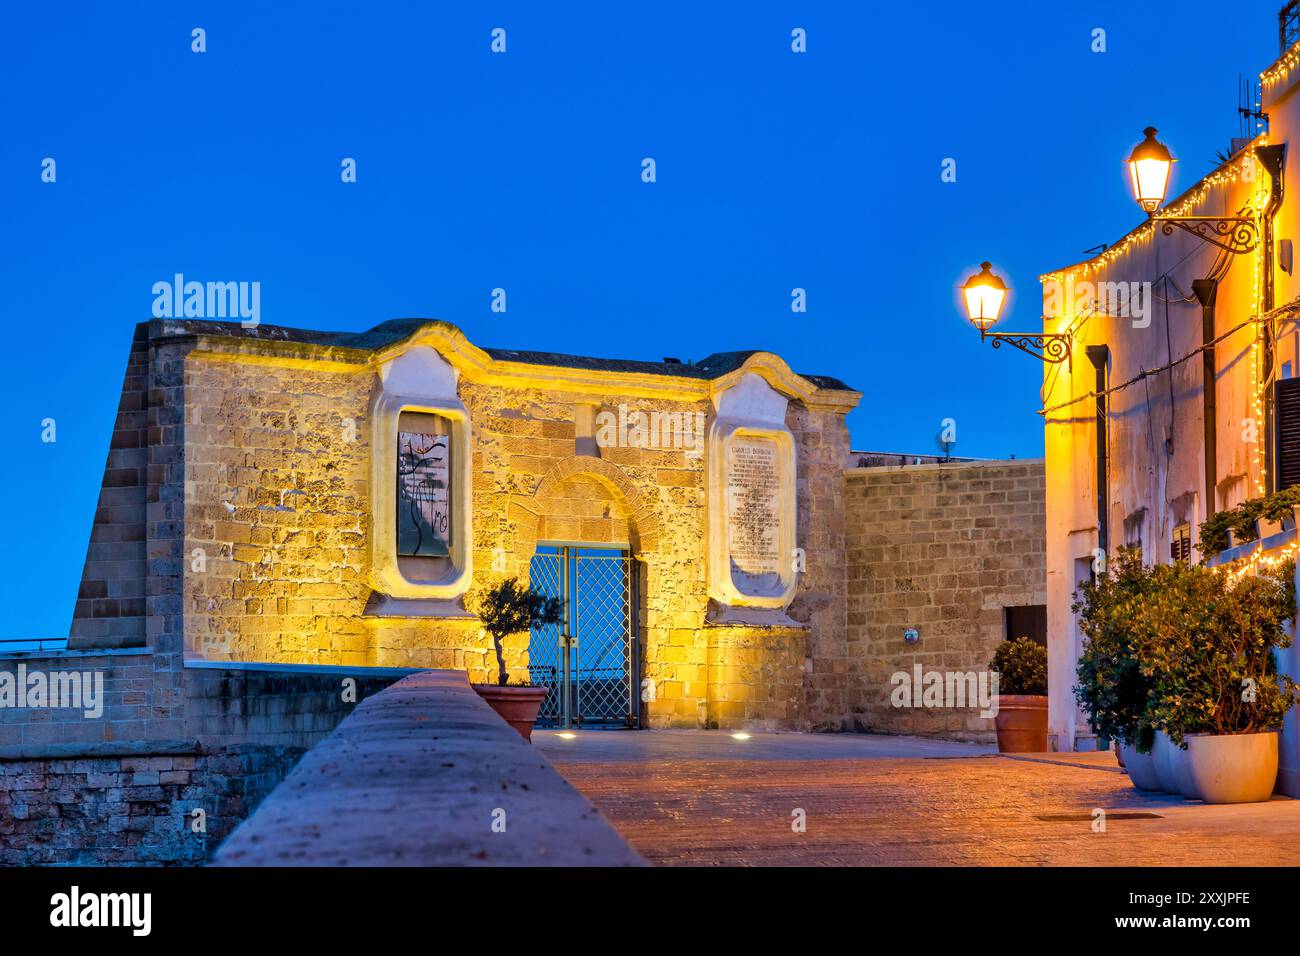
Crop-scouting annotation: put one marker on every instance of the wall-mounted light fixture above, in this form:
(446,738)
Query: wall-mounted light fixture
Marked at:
(984,294)
(1149,166)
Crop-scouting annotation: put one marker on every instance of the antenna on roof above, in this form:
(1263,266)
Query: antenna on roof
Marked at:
(1251,120)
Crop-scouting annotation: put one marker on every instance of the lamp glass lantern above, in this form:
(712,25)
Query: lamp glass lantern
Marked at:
(1148,169)
(984,293)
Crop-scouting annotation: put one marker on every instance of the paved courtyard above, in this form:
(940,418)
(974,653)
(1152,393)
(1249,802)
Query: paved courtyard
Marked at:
(705,798)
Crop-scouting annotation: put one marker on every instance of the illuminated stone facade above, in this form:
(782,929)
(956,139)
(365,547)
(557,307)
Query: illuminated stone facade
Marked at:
(265,536)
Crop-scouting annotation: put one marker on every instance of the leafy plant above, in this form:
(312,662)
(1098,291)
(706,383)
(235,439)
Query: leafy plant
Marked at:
(1213,536)
(1111,688)
(1278,506)
(1183,648)
(1281,504)
(1022,667)
(509,608)
(1243,517)
(1206,643)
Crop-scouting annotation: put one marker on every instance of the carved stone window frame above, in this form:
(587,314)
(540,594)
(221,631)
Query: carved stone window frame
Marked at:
(387,407)
(722,584)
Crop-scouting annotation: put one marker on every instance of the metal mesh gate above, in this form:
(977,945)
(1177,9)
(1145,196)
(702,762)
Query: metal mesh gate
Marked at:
(589,662)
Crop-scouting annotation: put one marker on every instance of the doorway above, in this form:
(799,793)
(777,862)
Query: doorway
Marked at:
(589,661)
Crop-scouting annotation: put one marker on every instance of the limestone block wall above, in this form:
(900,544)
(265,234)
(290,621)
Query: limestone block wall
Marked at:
(132,805)
(120,787)
(822,443)
(755,677)
(110,608)
(276,517)
(276,508)
(256,512)
(944,549)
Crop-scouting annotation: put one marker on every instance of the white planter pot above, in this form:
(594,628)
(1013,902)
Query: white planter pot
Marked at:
(1141,768)
(1233,768)
(1162,761)
(1183,772)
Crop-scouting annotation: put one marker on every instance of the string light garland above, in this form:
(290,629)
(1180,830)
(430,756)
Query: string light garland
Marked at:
(1279,70)
(1259,558)
(1258,201)
(1244,169)
(1184,205)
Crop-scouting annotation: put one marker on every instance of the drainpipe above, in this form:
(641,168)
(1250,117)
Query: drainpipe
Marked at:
(1206,290)
(1099,355)
(1272,158)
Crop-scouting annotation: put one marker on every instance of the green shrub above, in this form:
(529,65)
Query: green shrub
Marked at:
(1022,667)
(1243,517)
(1281,504)
(1184,649)
(1278,506)
(1213,536)
(1111,688)
(1206,642)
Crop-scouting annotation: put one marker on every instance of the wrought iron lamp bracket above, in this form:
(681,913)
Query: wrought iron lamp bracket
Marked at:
(1053,347)
(1235,234)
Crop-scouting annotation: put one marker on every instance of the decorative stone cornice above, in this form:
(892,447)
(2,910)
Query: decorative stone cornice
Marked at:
(339,352)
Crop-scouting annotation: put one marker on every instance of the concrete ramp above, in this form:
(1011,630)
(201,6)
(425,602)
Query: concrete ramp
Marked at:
(425,773)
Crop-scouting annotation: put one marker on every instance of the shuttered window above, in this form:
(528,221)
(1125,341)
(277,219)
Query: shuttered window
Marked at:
(1180,547)
(1286,410)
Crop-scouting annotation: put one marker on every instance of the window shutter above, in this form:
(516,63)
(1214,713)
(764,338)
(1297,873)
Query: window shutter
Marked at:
(1286,409)
(1180,548)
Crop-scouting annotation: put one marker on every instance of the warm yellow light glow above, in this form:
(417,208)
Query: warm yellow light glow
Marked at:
(740,736)
(566,735)
(1148,170)
(1226,175)
(984,293)
(1279,70)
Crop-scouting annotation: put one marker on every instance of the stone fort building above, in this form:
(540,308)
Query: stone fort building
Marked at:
(282,508)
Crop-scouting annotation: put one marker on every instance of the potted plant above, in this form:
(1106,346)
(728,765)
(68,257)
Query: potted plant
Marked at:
(1021,719)
(1213,536)
(1206,640)
(511,608)
(1278,511)
(1242,521)
(1111,688)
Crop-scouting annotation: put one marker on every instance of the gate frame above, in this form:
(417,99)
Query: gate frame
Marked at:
(633,569)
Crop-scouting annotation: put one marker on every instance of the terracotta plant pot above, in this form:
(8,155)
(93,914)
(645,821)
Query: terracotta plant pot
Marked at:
(1141,768)
(517,706)
(1233,768)
(1021,724)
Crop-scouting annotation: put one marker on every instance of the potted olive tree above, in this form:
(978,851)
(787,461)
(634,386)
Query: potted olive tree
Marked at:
(1021,719)
(1207,641)
(1112,688)
(511,608)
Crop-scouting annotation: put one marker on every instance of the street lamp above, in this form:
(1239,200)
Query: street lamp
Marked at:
(1148,168)
(984,294)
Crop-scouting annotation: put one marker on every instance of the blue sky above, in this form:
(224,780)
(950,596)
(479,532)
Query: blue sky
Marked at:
(775,170)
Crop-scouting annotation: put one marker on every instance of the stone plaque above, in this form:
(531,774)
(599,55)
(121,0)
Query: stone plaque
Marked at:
(754,505)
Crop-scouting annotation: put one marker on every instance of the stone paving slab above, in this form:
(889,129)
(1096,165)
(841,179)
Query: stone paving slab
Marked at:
(889,810)
(725,745)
